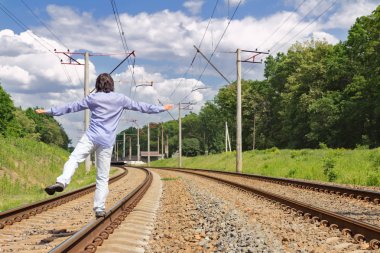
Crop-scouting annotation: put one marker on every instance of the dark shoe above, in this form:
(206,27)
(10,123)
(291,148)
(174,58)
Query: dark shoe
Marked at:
(57,187)
(99,214)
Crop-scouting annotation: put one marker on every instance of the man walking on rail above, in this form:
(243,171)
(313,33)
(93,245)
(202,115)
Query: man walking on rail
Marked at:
(106,108)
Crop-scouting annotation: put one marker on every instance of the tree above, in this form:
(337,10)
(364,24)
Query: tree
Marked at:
(191,147)
(6,111)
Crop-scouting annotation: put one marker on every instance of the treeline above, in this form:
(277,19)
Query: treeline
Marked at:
(18,123)
(315,95)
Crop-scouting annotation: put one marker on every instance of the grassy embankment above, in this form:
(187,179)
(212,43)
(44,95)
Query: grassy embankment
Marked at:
(27,167)
(357,167)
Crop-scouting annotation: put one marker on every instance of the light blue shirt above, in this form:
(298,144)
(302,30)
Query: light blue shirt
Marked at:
(106,110)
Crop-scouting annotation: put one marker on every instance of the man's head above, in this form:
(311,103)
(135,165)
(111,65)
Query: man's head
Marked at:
(104,83)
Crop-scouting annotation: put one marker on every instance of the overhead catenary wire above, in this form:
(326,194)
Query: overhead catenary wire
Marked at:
(43,23)
(216,47)
(195,55)
(35,37)
(26,28)
(299,22)
(274,46)
(281,24)
(56,37)
(312,22)
(124,42)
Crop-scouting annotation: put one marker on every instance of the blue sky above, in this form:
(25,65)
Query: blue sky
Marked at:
(162,33)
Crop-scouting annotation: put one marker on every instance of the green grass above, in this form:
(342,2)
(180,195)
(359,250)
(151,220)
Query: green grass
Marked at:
(357,167)
(27,167)
(169,178)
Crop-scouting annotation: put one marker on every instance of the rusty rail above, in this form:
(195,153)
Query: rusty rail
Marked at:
(359,230)
(91,236)
(366,195)
(11,216)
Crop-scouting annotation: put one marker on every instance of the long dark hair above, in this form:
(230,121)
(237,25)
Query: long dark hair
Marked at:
(104,83)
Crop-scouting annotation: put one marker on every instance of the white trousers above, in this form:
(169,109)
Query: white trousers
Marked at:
(103,163)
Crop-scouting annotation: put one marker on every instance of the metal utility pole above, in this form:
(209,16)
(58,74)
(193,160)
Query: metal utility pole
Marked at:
(123,146)
(225,139)
(158,143)
(254,132)
(167,146)
(162,141)
(239,157)
(179,137)
(130,149)
(87,111)
(149,144)
(180,133)
(138,144)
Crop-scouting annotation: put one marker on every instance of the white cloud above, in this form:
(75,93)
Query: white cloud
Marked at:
(345,17)
(194,6)
(324,36)
(15,73)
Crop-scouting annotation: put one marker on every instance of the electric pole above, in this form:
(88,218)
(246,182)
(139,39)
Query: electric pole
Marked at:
(130,149)
(87,111)
(162,141)
(149,144)
(179,137)
(180,132)
(239,157)
(138,143)
(123,146)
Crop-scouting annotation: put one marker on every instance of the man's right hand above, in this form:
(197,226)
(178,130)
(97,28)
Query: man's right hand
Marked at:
(40,111)
(168,107)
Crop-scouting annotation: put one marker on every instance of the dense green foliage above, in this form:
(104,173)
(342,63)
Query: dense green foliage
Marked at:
(15,122)
(329,165)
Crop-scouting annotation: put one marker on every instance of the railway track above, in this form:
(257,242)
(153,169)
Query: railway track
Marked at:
(360,231)
(15,215)
(73,219)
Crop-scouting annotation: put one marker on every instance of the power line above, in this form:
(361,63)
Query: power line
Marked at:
(195,55)
(217,45)
(124,41)
(33,36)
(282,23)
(315,19)
(296,25)
(43,23)
(25,27)
(289,31)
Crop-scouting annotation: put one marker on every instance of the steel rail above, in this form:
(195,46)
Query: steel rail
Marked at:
(11,216)
(360,194)
(359,230)
(93,234)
